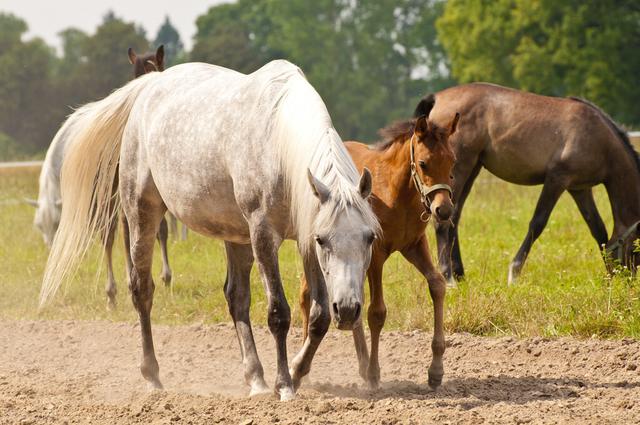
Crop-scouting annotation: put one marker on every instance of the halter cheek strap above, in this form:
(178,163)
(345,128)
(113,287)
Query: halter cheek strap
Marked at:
(617,248)
(423,189)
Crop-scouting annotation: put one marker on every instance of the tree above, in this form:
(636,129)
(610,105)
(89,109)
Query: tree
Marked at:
(25,85)
(224,38)
(170,38)
(557,48)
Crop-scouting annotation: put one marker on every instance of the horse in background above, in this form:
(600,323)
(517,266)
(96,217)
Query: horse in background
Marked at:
(565,144)
(250,159)
(411,183)
(49,203)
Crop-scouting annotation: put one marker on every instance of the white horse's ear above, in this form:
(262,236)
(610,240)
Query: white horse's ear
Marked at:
(59,203)
(365,183)
(319,189)
(31,202)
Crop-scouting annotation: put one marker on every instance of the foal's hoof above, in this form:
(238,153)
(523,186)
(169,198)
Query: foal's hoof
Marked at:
(287,393)
(111,304)
(452,283)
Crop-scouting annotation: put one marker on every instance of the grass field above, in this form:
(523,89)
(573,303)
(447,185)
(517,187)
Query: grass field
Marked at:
(563,289)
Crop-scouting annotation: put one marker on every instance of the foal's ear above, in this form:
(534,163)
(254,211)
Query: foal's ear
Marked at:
(422,126)
(132,56)
(319,189)
(160,55)
(453,125)
(365,184)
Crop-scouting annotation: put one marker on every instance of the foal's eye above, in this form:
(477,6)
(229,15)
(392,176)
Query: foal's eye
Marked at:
(423,165)
(319,240)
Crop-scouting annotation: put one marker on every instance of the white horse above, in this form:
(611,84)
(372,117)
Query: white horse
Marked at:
(251,159)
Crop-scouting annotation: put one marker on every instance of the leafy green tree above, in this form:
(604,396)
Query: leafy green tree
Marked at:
(25,85)
(169,37)
(224,38)
(560,48)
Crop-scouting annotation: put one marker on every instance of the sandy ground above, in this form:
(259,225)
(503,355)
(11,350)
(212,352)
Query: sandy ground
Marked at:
(86,372)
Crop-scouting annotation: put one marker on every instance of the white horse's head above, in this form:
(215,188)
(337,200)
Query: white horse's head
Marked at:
(344,234)
(47,217)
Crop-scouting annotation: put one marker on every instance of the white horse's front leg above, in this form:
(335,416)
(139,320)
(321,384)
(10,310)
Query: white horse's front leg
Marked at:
(265,242)
(319,321)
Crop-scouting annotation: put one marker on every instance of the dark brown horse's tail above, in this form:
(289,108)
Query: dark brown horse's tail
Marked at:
(425,106)
(622,134)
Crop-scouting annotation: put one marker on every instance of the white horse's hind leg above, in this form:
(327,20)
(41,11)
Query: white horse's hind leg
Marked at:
(163,236)
(265,243)
(238,294)
(143,219)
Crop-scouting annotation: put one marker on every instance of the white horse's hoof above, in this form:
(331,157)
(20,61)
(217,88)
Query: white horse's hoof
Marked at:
(287,394)
(258,388)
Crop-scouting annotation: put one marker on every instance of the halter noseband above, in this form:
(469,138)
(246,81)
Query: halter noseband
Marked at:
(617,247)
(423,189)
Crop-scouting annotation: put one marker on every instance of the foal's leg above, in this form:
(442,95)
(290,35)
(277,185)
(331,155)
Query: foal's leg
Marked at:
(163,235)
(551,192)
(265,242)
(376,315)
(418,255)
(318,321)
(449,257)
(238,294)
(587,206)
(305,305)
(144,218)
(110,287)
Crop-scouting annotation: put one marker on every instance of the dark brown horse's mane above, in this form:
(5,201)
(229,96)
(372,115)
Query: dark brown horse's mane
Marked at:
(622,134)
(394,131)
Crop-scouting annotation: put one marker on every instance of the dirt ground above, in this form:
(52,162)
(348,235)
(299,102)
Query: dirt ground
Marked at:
(86,372)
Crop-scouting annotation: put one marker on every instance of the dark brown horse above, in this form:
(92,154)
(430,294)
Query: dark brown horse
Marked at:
(411,173)
(562,143)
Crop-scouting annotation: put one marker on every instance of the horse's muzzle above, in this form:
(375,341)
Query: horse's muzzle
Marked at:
(346,314)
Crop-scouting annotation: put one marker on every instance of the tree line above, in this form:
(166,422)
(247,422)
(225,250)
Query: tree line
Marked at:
(371,60)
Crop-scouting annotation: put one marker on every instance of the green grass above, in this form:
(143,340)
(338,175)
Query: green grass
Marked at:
(563,289)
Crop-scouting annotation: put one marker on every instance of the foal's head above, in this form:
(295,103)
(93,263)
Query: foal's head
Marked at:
(148,62)
(434,159)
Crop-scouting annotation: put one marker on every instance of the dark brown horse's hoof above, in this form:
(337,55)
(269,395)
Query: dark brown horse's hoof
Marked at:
(435,380)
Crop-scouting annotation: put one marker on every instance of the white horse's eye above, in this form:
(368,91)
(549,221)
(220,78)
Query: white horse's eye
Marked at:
(370,238)
(319,240)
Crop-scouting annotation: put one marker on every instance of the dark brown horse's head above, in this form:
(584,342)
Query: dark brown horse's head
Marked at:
(148,62)
(434,159)
(623,250)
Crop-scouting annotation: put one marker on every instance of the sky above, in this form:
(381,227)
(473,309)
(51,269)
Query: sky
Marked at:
(46,18)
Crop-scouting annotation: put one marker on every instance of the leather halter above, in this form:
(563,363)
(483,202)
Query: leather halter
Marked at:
(423,189)
(617,248)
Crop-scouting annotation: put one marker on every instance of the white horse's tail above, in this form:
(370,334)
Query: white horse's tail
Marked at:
(89,195)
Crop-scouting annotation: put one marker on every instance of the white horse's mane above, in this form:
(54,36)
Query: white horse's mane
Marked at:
(305,139)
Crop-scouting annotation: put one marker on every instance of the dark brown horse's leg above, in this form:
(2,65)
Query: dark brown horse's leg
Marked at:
(449,257)
(587,206)
(144,219)
(237,291)
(551,192)
(376,315)
(418,255)
(305,306)
(163,236)
(110,287)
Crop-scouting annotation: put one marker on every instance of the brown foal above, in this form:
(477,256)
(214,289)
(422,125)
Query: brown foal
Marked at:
(403,205)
